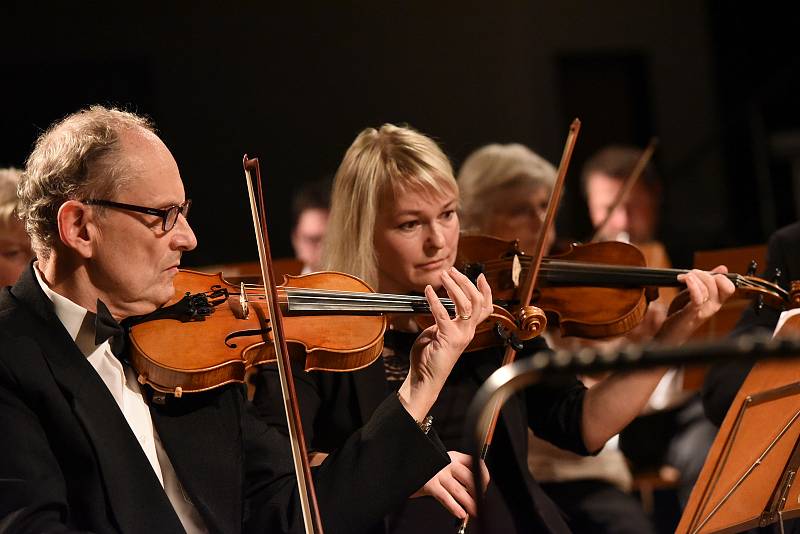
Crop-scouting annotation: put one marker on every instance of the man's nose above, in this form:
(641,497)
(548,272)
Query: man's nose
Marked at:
(183,237)
(619,220)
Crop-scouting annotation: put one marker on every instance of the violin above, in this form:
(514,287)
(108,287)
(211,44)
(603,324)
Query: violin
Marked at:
(212,331)
(592,291)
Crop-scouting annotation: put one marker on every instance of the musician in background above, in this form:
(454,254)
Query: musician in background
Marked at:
(673,436)
(504,193)
(394,223)
(310,208)
(505,190)
(15,245)
(86,448)
(635,220)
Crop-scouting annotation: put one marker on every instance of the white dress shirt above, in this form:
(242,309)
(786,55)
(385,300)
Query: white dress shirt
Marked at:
(121,382)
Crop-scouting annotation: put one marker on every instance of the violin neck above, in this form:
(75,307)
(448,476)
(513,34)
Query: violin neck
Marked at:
(555,272)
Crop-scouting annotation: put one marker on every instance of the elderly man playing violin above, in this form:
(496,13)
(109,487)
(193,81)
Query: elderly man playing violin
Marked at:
(83,446)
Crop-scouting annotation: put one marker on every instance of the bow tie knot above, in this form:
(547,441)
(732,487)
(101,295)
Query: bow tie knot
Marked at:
(107,328)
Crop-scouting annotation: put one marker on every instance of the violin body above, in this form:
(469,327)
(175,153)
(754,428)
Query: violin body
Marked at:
(596,312)
(219,338)
(579,309)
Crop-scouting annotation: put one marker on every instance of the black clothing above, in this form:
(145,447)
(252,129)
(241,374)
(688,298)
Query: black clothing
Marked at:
(599,507)
(333,404)
(70,461)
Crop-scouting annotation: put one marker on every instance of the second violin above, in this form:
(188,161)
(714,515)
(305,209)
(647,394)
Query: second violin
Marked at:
(592,291)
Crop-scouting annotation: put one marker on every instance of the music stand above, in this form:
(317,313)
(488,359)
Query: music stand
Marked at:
(748,477)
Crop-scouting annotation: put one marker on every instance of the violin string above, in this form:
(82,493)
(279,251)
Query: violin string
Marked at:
(305,299)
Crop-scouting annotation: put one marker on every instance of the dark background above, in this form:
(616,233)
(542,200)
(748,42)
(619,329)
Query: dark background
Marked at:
(716,81)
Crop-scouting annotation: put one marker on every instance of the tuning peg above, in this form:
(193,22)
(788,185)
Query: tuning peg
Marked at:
(751,270)
(777,275)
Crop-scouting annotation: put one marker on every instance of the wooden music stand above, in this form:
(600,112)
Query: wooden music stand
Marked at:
(720,325)
(747,480)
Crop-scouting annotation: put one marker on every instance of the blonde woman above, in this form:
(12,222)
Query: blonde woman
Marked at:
(394,222)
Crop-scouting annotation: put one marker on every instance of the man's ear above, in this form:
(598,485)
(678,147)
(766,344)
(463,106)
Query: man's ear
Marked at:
(76,227)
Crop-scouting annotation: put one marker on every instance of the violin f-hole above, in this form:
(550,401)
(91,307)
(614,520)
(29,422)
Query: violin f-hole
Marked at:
(246,333)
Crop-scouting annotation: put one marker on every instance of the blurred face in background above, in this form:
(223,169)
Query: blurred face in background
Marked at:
(517,212)
(634,220)
(308,235)
(15,251)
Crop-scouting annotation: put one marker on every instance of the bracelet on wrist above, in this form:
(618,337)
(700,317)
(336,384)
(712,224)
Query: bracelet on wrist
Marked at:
(425,424)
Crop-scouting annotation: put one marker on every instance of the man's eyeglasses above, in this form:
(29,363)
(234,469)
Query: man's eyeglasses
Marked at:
(169,216)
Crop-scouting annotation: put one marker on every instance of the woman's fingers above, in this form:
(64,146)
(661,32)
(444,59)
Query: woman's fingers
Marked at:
(460,494)
(454,486)
(724,285)
(705,287)
(698,292)
(461,470)
(458,294)
(441,494)
(473,304)
(438,310)
(486,293)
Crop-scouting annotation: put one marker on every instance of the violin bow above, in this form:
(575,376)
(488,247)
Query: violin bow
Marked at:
(308,498)
(627,186)
(529,283)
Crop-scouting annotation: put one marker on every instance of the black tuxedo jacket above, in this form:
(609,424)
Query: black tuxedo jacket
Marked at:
(724,380)
(70,462)
(332,404)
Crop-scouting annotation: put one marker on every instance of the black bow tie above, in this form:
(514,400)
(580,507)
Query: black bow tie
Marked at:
(106,327)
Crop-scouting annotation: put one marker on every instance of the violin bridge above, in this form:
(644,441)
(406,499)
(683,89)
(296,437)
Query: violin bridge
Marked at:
(240,307)
(516,270)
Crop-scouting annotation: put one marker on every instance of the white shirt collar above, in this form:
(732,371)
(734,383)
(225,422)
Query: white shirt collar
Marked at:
(77,320)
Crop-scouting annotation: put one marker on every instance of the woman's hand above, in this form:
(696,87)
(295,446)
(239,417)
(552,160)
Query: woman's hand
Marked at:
(706,291)
(454,486)
(438,347)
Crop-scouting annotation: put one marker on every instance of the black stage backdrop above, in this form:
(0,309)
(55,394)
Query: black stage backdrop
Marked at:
(716,81)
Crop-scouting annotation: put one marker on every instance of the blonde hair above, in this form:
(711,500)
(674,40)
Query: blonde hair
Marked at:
(9,179)
(392,159)
(75,159)
(494,167)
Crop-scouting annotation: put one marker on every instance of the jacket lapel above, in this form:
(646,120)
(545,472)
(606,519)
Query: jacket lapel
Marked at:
(201,435)
(137,499)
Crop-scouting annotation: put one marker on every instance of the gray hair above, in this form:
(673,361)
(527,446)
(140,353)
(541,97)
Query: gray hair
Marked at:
(75,159)
(494,167)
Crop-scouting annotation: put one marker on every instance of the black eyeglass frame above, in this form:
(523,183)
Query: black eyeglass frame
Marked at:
(165,214)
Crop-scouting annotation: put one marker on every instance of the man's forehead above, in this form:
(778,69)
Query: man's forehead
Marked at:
(153,172)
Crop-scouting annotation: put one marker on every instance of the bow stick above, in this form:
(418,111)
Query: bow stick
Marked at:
(305,484)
